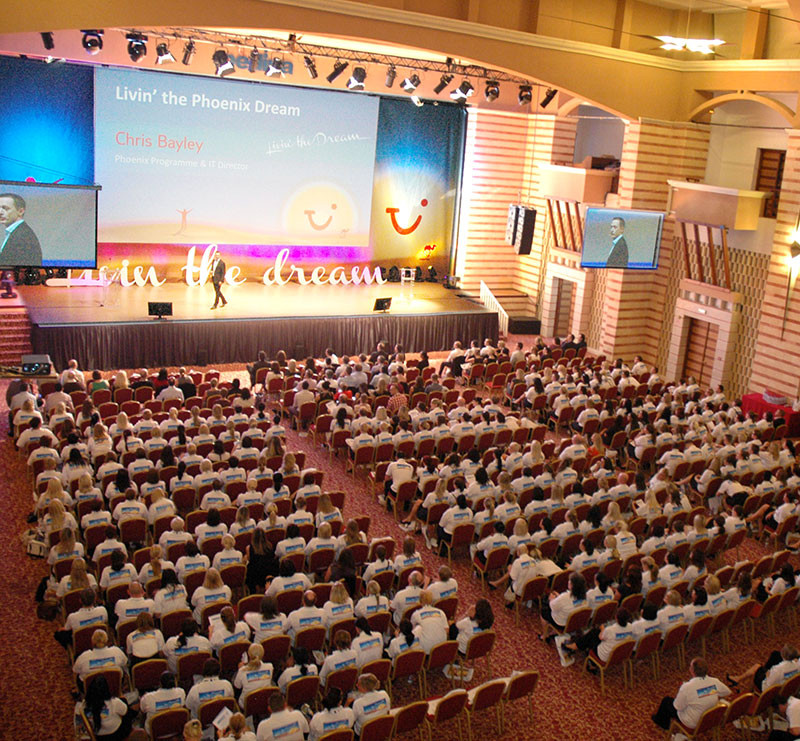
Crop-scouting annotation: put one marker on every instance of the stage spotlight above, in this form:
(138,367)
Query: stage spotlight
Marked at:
(356,81)
(492,90)
(463,91)
(92,41)
(137,46)
(548,97)
(47,40)
(252,64)
(391,74)
(410,84)
(188,53)
(310,67)
(163,54)
(417,101)
(444,81)
(274,67)
(525,94)
(338,68)
(222,62)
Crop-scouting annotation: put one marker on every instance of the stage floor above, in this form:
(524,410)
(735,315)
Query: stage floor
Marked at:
(56,306)
(109,328)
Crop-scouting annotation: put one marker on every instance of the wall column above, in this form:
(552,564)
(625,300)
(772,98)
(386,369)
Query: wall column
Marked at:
(776,363)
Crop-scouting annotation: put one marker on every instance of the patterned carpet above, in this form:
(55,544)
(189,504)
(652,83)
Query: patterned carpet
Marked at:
(35,686)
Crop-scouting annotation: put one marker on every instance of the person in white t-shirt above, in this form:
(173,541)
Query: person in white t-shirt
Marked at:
(166,697)
(694,697)
(283,724)
(332,717)
(372,702)
(210,687)
(255,674)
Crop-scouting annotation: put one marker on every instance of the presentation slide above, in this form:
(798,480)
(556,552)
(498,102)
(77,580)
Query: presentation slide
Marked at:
(191,160)
(616,238)
(47,225)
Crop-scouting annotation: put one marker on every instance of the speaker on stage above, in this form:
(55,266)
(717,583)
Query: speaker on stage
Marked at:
(159,308)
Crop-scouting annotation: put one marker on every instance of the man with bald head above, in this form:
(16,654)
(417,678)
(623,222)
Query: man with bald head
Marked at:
(308,615)
(409,596)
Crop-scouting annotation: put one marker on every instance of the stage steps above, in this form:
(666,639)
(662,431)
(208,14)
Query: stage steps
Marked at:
(16,335)
(520,309)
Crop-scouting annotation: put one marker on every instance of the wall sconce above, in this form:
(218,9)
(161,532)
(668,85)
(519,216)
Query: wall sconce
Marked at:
(794,266)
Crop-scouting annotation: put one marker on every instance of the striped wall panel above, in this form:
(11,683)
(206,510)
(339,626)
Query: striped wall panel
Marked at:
(502,150)
(776,360)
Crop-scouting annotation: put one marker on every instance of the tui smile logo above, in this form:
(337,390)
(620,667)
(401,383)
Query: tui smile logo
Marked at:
(319,227)
(404,231)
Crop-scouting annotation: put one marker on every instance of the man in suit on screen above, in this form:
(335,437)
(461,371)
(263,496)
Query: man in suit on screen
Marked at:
(217,277)
(20,246)
(618,257)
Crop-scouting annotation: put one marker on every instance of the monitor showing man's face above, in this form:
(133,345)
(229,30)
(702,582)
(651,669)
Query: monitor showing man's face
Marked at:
(10,212)
(616,228)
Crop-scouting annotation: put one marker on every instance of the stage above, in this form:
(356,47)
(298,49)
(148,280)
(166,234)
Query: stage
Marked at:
(109,328)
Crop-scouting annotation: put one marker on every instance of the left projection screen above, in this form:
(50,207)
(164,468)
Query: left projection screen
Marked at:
(47,225)
(186,160)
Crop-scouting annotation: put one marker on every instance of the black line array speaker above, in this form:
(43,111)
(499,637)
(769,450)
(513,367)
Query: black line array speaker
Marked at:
(519,228)
(525,226)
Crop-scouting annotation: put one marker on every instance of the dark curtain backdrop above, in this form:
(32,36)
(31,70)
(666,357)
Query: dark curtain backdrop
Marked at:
(157,343)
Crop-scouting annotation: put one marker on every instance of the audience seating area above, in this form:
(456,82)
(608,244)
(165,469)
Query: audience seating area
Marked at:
(592,467)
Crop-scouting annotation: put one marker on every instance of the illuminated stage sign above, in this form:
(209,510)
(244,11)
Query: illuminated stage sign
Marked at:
(198,274)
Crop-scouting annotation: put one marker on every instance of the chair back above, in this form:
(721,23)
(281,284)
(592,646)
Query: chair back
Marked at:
(520,685)
(632,603)
(450,706)
(604,612)
(487,694)
(764,700)
(480,645)
(648,644)
(311,638)
(379,621)
(497,558)
(146,675)
(211,708)
(343,679)
(381,668)
(171,622)
(301,690)
(790,687)
(709,720)
(168,724)
(341,734)
(289,600)
(409,718)
(699,628)
(112,675)
(408,663)
(256,703)
(442,654)
(230,655)
(578,619)
(191,664)
(276,648)
(377,729)
(621,652)
(739,706)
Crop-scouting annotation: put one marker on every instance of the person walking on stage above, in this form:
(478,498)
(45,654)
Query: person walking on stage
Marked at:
(217,277)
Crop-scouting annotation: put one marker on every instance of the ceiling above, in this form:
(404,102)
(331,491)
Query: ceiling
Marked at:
(721,6)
